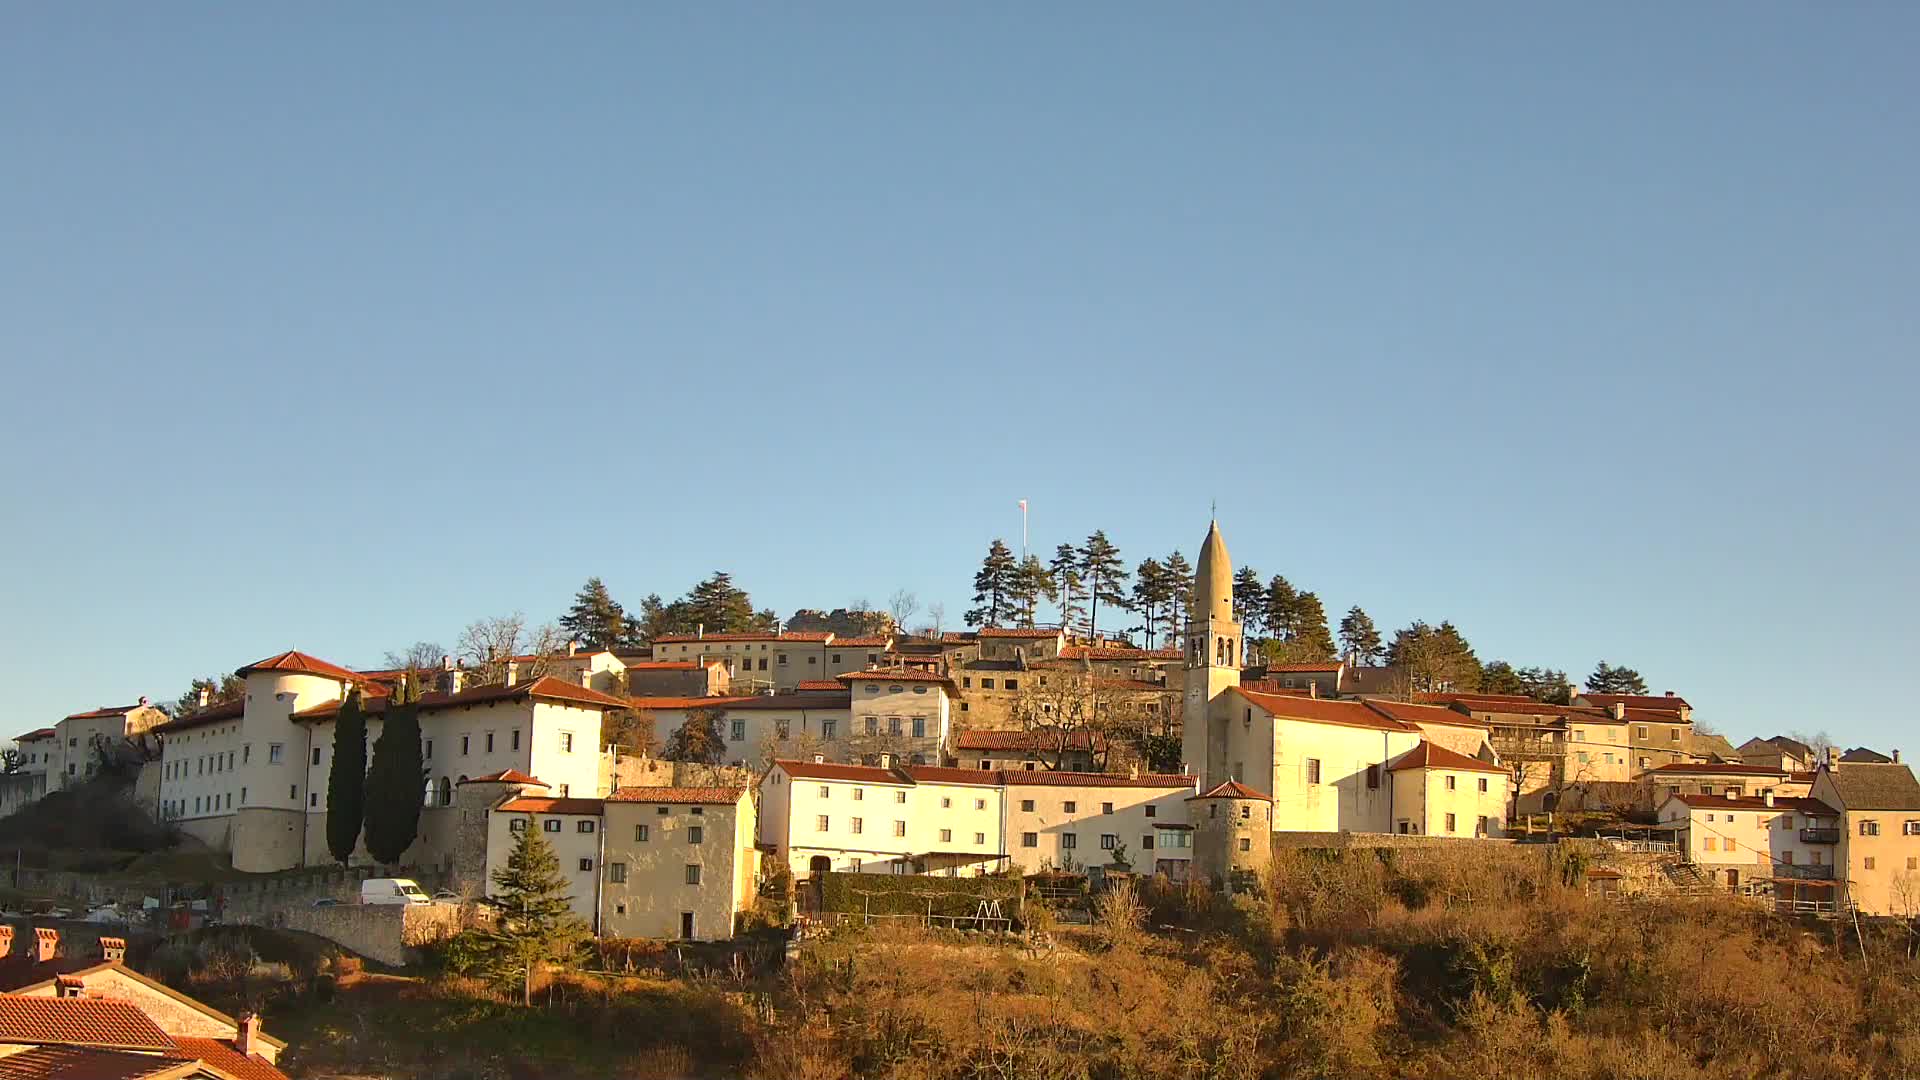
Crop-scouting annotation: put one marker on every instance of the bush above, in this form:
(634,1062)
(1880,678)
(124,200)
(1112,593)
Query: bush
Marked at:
(914,894)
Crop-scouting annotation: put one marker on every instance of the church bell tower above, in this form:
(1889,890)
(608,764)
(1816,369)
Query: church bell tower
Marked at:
(1213,660)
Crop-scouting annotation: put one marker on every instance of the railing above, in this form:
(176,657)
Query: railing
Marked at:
(1647,846)
(1784,906)
(1805,873)
(1819,836)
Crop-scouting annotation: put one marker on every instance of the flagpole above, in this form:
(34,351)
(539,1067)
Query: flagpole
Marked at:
(1023,530)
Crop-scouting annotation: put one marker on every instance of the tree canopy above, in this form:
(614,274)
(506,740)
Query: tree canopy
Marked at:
(596,619)
(1359,638)
(1105,576)
(993,587)
(396,783)
(1607,679)
(346,779)
(536,924)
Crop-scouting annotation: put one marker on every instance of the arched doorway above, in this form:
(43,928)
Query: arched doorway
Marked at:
(819,864)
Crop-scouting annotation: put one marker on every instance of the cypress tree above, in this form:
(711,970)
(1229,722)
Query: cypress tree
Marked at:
(396,785)
(346,783)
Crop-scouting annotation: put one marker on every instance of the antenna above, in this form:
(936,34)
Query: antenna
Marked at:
(1213,510)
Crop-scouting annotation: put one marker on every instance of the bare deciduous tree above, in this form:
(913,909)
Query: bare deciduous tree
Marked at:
(493,646)
(937,616)
(419,656)
(901,605)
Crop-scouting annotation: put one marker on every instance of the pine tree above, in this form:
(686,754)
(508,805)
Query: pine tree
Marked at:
(1546,685)
(1031,584)
(1499,677)
(220,690)
(1282,616)
(595,620)
(1359,637)
(719,606)
(1607,679)
(536,923)
(1250,601)
(1310,636)
(396,784)
(698,738)
(1434,658)
(993,587)
(1152,593)
(1064,572)
(346,783)
(1105,575)
(1180,608)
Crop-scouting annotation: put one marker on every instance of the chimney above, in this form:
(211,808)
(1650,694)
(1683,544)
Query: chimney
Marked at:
(113,950)
(1313,688)
(1733,792)
(69,986)
(819,759)
(886,761)
(700,631)
(586,678)
(47,940)
(203,697)
(446,662)
(1767,796)
(1672,694)
(1133,771)
(1619,710)
(1896,755)
(249,1033)
(6,940)
(573,646)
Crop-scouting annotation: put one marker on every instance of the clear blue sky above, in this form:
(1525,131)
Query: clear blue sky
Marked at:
(1591,330)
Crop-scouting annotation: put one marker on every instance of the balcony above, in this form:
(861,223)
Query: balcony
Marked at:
(1804,873)
(1819,836)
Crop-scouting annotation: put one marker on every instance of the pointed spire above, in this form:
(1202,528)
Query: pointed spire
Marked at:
(1213,579)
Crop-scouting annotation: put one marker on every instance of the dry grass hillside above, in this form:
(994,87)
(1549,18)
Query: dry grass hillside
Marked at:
(1422,964)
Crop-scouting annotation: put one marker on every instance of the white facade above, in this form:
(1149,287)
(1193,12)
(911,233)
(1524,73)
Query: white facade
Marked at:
(882,820)
(572,826)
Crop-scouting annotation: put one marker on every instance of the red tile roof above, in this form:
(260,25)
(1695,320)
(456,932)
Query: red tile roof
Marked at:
(940,774)
(1325,711)
(528,804)
(757,635)
(303,664)
(895,675)
(1268,686)
(811,699)
(861,642)
(1432,756)
(1451,696)
(1662,702)
(699,796)
(1694,768)
(1039,739)
(212,714)
(1232,789)
(1054,778)
(1016,632)
(1424,714)
(1813,807)
(223,1056)
(958,637)
(816,686)
(507,776)
(32,736)
(545,688)
(827,770)
(669,665)
(103,712)
(1307,667)
(79,1021)
(87,1063)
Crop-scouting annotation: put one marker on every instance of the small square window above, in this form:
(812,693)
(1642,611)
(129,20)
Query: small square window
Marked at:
(639,834)
(693,874)
(583,826)
(586,865)
(552,824)
(617,872)
(695,834)
(518,824)
(1026,806)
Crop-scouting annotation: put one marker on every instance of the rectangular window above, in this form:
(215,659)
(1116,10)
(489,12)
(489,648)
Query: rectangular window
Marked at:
(583,826)
(1869,828)
(829,728)
(1029,839)
(893,725)
(1910,828)
(617,873)
(639,834)
(695,834)
(782,728)
(1313,770)
(946,803)
(986,684)
(693,873)
(826,792)
(1373,776)
(1146,842)
(566,742)
(859,794)
(313,799)
(316,755)
(979,838)
(1483,785)
(466,745)
(1026,806)
(429,751)
(899,796)
(489,742)
(275,753)
(899,828)
(919,727)
(820,823)
(1246,843)
(979,804)
(1452,783)
(1480,825)
(1106,808)
(873,725)
(1642,731)
(552,824)
(1071,807)
(1108,841)
(946,836)
(783,659)
(1069,841)
(1449,818)
(586,865)
(1708,844)
(518,824)
(1866,863)
(739,730)
(858,825)
(513,738)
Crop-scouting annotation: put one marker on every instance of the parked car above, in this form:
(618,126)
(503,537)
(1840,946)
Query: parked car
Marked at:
(446,896)
(393,890)
(326,901)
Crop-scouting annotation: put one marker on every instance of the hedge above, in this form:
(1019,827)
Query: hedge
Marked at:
(911,894)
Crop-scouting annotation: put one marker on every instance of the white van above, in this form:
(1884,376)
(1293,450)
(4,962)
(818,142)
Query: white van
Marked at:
(392,890)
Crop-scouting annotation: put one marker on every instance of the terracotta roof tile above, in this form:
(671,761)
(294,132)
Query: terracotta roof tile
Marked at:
(1016,632)
(103,712)
(827,770)
(1663,702)
(79,1021)
(1108,652)
(861,642)
(300,663)
(212,714)
(87,1063)
(697,796)
(758,635)
(1746,802)
(1713,768)
(223,1056)
(958,637)
(669,665)
(1039,739)
(811,699)
(34,736)
(1055,778)
(1307,668)
(1232,789)
(1432,756)
(528,804)
(1325,711)
(1423,714)
(507,776)
(816,686)
(546,688)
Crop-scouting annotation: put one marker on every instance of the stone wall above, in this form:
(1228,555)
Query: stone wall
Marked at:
(387,933)
(252,900)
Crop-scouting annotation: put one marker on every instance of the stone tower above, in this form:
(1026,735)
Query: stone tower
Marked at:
(1232,834)
(1213,660)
